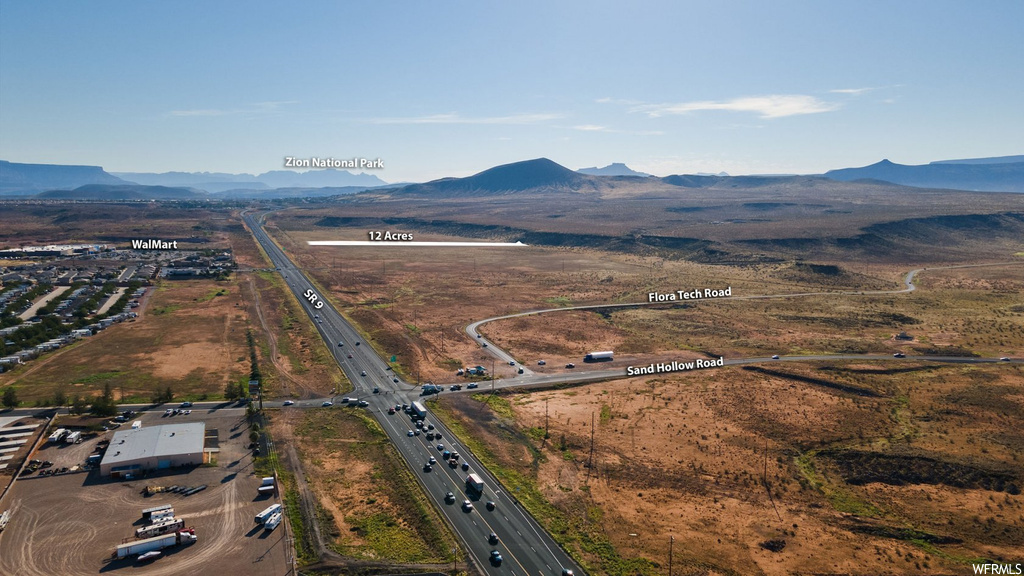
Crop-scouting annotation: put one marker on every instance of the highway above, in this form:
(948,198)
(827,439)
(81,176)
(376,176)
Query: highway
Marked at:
(525,547)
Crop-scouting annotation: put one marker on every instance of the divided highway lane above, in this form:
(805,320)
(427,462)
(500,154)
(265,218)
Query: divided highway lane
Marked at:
(526,548)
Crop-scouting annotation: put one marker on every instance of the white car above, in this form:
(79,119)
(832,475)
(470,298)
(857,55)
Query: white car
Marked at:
(289,402)
(1004,359)
(775,357)
(327,403)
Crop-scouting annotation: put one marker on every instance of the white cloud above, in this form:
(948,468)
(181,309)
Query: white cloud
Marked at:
(591,128)
(454,118)
(772,106)
(852,91)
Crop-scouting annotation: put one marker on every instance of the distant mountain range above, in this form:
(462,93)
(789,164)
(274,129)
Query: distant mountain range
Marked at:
(538,176)
(983,174)
(28,179)
(616,169)
(219,181)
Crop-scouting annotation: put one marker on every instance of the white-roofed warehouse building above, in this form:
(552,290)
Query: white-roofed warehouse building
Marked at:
(132,452)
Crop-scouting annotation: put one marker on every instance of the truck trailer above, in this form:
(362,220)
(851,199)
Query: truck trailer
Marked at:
(474,482)
(73,438)
(161,527)
(58,435)
(599,356)
(140,547)
(419,410)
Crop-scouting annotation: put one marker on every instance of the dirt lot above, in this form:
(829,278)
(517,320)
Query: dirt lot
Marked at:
(372,507)
(70,524)
(189,336)
(762,473)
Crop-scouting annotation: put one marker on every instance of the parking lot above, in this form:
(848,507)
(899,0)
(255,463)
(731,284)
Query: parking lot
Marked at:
(71,523)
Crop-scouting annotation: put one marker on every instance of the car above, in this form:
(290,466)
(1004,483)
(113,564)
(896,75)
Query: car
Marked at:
(183,412)
(363,373)
(395,380)
(899,355)
(410,433)
(432,460)
(427,467)
(349,355)
(541,362)
(490,505)
(467,505)
(398,407)
(289,402)
(566,572)
(327,403)
(357,342)
(186,404)
(484,344)
(479,335)
(416,432)
(775,356)
(465,466)
(391,410)
(511,362)
(346,400)
(570,365)
(520,370)
(341,344)
(492,538)
(320,321)
(430,426)
(430,435)
(363,403)
(449,498)
(440,447)
(1004,359)
(376,390)
(437,435)
(419,424)
(121,419)
(496,558)
(472,385)
(446,454)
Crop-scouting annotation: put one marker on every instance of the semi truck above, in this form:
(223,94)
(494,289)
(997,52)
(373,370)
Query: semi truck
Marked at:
(262,517)
(599,356)
(474,482)
(140,547)
(161,527)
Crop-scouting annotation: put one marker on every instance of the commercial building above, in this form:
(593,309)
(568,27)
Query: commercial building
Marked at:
(132,452)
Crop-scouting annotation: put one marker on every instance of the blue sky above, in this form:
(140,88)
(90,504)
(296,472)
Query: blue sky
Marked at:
(450,88)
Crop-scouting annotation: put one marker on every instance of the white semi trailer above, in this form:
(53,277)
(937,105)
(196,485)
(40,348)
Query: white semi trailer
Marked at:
(599,356)
(140,547)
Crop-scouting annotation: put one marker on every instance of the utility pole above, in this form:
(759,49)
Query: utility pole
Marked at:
(590,459)
(671,540)
(546,434)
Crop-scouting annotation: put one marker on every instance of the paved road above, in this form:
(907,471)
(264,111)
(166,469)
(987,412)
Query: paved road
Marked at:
(526,548)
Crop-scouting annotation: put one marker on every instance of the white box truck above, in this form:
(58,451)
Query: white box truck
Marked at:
(158,543)
(474,482)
